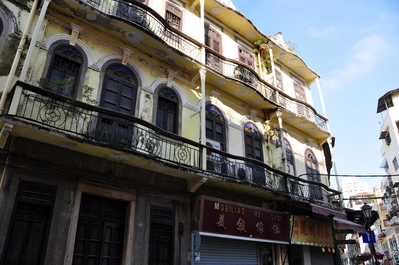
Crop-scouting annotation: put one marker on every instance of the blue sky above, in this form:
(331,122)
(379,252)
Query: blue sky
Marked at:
(354,46)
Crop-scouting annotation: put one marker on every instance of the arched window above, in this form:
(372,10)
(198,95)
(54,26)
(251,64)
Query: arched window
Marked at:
(289,156)
(253,149)
(311,166)
(253,142)
(119,93)
(119,89)
(313,175)
(215,126)
(167,110)
(1,26)
(8,26)
(65,69)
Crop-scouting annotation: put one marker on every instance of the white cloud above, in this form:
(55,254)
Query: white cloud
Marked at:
(366,54)
(328,32)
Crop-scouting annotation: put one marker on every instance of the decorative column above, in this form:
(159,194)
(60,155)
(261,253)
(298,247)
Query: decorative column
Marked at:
(203,120)
(279,114)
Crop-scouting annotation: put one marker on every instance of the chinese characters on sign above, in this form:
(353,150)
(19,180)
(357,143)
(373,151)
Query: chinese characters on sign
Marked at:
(220,222)
(307,230)
(233,219)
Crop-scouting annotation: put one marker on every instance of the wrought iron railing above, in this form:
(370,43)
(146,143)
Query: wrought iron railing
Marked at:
(302,110)
(240,73)
(254,172)
(243,74)
(77,119)
(97,125)
(141,15)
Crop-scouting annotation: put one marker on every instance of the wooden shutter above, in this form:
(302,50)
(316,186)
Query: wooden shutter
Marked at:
(213,39)
(299,92)
(246,57)
(173,15)
(279,80)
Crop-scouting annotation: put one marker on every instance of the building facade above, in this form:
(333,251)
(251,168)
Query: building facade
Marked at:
(388,107)
(158,132)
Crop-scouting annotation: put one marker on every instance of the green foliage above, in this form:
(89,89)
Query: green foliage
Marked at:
(63,86)
(292,47)
(262,48)
(87,95)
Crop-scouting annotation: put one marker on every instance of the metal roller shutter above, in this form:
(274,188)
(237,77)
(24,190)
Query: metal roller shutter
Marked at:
(321,258)
(214,250)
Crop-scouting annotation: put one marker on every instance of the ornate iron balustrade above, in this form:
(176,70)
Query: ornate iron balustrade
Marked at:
(240,73)
(245,75)
(257,173)
(142,16)
(85,122)
(302,110)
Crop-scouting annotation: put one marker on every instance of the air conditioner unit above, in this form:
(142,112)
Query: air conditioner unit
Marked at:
(215,162)
(213,144)
(243,172)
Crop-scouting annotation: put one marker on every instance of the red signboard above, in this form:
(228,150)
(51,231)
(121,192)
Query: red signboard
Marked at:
(238,220)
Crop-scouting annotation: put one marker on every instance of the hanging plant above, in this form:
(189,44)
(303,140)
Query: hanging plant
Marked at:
(262,48)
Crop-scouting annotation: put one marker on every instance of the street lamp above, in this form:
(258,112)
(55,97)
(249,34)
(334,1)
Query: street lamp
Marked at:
(367,214)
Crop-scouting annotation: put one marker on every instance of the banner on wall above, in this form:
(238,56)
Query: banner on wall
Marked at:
(311,231)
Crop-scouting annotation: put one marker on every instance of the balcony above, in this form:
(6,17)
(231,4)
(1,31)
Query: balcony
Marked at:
(230,75)
(44,116)
(243,74)
(140,15)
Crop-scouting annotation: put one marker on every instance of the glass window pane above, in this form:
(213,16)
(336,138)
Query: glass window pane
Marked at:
(110,97)
(127,91)
(126,103)
(112,85)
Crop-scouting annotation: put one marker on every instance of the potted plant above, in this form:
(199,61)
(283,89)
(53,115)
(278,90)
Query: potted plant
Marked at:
(262,48)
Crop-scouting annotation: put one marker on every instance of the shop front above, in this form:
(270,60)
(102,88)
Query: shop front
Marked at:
(233,233)
(312,242)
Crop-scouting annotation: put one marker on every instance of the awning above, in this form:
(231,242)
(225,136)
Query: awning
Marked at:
(345,224)
(326,211)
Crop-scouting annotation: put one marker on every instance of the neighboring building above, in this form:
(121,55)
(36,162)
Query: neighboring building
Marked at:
(355,203)
(388,106)
(351,186)
(126,127)
(382,244)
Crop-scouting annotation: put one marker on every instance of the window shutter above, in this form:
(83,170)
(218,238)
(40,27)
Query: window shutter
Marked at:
(245,57)
(173,15)
(213,39)
(299,92)
(279,80)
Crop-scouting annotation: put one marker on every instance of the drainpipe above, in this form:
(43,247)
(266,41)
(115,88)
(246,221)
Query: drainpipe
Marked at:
(280,125)
(203,125)
(203,77)
(323,107)
(327,125)
(272,66)
(10,78)
(329,130)
(22,77)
